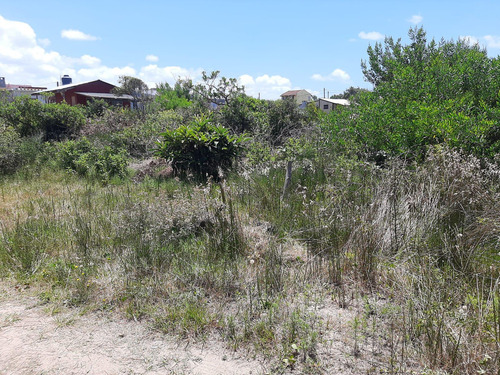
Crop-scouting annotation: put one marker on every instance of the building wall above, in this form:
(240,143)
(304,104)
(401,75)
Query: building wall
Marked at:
(325,106)
(303,96)
(72,98)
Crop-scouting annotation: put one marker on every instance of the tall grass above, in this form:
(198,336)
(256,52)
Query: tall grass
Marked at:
(414,247)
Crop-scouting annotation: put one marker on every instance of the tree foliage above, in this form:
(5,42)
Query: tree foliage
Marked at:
(200,148)
(214,88)
(349,93)
(173,97)
(132,86)
(425,93)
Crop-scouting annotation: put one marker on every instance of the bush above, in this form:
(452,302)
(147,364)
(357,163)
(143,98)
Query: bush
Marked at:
(55,121)
(10,155)
(61,120)
(244,114)
(200,149)
(95,108)
(285,120)
(88,160)
(23,114)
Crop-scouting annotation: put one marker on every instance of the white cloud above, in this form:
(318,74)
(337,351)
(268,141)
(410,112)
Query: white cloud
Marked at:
(416,19)
(153,74)
(108,74)
(470,40)
(488,41)
(24,59)
(76,35)
(492,41)
(90,60)
(265,86)
(372,35)
(44,42)
(152,58)
(246,80)
(336,75)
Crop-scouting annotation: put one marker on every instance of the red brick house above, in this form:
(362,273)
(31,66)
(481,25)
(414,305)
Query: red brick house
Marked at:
(82,93)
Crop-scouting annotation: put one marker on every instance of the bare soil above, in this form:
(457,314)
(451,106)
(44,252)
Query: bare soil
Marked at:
(34,340)
(38,338)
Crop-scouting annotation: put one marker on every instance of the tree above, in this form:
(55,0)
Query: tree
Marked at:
(383,61)
(173,98)
(134,87)
(214,89)
(426,93)
(349,93)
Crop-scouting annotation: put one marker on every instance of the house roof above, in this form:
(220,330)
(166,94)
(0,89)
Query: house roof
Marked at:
(336,101)
(105,96)
(291,93)
(71,85)
(10,86)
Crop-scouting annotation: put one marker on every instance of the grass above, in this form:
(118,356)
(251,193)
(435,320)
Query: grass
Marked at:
(411,250)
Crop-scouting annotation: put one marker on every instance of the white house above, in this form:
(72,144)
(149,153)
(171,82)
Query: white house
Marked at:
(328,105)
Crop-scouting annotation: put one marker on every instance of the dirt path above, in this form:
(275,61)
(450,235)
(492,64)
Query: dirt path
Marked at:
(32,341)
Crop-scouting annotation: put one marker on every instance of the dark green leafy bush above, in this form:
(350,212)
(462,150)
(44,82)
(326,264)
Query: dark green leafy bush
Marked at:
(60,121)
(200,148)
(95,108)
(24,114)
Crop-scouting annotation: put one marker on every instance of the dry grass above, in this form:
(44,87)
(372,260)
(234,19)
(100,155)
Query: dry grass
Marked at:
(394,270)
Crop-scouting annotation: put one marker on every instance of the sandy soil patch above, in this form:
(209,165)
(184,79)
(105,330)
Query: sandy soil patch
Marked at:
(34,342)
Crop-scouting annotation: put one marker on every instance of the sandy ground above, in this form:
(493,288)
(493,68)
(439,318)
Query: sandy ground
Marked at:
(32,341)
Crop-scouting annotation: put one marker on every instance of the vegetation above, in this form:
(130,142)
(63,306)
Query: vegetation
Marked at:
(390,223)
(200,148)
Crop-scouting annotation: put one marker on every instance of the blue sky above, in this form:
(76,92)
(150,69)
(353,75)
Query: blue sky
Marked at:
(270,46)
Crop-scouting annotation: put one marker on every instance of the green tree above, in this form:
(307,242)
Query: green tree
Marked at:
(172,98)
(349,93)
(425,93)
(135,87)
(214,88)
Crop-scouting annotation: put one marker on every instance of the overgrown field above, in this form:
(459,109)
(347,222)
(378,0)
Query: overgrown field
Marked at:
(398,235)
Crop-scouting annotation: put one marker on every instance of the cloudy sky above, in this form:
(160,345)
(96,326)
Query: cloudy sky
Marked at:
(271,46)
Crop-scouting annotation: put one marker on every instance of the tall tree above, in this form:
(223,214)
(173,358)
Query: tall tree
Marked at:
(427,93)
(214,88)
(132,86)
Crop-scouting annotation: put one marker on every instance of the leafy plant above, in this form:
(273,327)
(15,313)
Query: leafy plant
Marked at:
(54,121)
(200,148)
(88,160)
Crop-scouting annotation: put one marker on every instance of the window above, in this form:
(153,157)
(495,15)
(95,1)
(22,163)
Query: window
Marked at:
(325,106)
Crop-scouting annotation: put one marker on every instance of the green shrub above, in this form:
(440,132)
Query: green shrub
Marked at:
(61,120)
(200,148)
(86,159)
(10,155)
(55,121)
(23,114)
(95,108)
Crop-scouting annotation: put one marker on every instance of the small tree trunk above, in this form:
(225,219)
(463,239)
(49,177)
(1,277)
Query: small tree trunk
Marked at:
(288,180)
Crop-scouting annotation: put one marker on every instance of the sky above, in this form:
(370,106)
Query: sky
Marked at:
(270,46)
